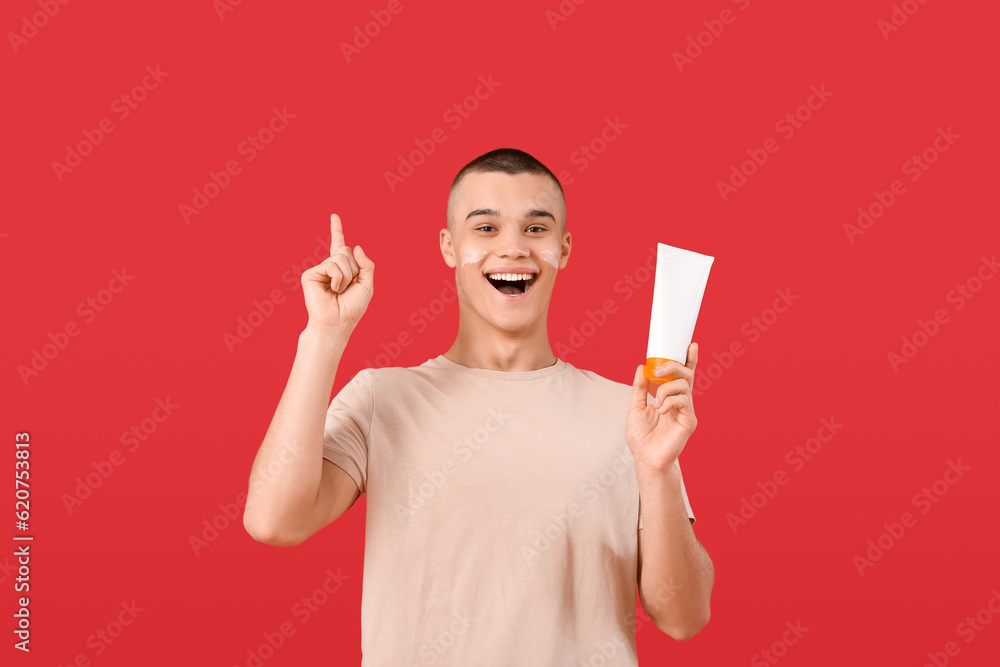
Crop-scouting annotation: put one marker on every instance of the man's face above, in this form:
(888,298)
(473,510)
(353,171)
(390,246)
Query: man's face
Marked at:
(509,225)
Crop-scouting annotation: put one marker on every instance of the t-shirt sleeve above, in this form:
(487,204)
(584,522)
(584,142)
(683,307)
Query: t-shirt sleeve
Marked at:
(684,495)
(348,425)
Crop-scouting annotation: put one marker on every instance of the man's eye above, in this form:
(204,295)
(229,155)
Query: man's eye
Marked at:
(490,227)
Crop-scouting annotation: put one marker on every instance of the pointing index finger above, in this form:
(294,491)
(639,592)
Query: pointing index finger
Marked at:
(336,233)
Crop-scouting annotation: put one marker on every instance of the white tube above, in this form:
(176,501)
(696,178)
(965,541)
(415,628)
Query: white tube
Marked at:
(681,276)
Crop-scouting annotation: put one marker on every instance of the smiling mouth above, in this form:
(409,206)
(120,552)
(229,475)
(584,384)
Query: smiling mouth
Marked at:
(512,287)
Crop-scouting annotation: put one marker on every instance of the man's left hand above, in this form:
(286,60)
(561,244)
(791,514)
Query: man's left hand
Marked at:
(657,433)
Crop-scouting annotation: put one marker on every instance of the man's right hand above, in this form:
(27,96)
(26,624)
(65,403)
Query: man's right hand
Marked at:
(337,291)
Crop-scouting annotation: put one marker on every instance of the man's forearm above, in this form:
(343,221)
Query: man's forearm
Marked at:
(286,474)
(676,574)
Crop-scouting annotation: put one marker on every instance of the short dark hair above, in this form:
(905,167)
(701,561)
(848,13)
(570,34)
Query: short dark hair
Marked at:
(508,161)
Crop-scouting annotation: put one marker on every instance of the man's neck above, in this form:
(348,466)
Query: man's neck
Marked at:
(494,351)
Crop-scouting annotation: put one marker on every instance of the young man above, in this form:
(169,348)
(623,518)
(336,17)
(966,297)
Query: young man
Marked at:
(503,521)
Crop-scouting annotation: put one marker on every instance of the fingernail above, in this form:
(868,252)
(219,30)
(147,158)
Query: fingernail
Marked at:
(361,250)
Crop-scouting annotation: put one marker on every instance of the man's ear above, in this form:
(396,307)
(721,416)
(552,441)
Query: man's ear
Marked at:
(564,250)
(447,248)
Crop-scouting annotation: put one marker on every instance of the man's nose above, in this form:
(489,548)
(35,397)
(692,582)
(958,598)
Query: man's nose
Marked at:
(512,244)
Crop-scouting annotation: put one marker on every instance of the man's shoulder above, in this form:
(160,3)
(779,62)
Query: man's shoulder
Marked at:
(398,373)
(599,381)
(431,371)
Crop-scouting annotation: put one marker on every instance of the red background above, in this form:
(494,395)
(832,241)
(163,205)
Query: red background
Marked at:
(826,357)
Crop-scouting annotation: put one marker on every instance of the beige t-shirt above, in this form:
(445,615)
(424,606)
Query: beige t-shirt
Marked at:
(502,514)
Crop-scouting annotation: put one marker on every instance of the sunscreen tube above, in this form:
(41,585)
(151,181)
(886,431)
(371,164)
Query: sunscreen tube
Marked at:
(679,284)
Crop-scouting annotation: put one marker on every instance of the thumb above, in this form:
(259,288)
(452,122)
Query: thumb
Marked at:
(366,268)
(640,387)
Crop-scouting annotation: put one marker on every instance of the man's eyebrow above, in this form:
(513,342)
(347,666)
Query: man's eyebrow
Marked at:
(484,211)
(536,213)
(533,213)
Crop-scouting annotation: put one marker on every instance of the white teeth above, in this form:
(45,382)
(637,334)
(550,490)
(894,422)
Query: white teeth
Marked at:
(510,276)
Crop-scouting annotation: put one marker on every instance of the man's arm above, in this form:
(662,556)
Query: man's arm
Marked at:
(293,491)
(676,574)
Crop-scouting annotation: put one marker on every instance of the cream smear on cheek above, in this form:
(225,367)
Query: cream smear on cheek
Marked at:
(474,257)
(550,257)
